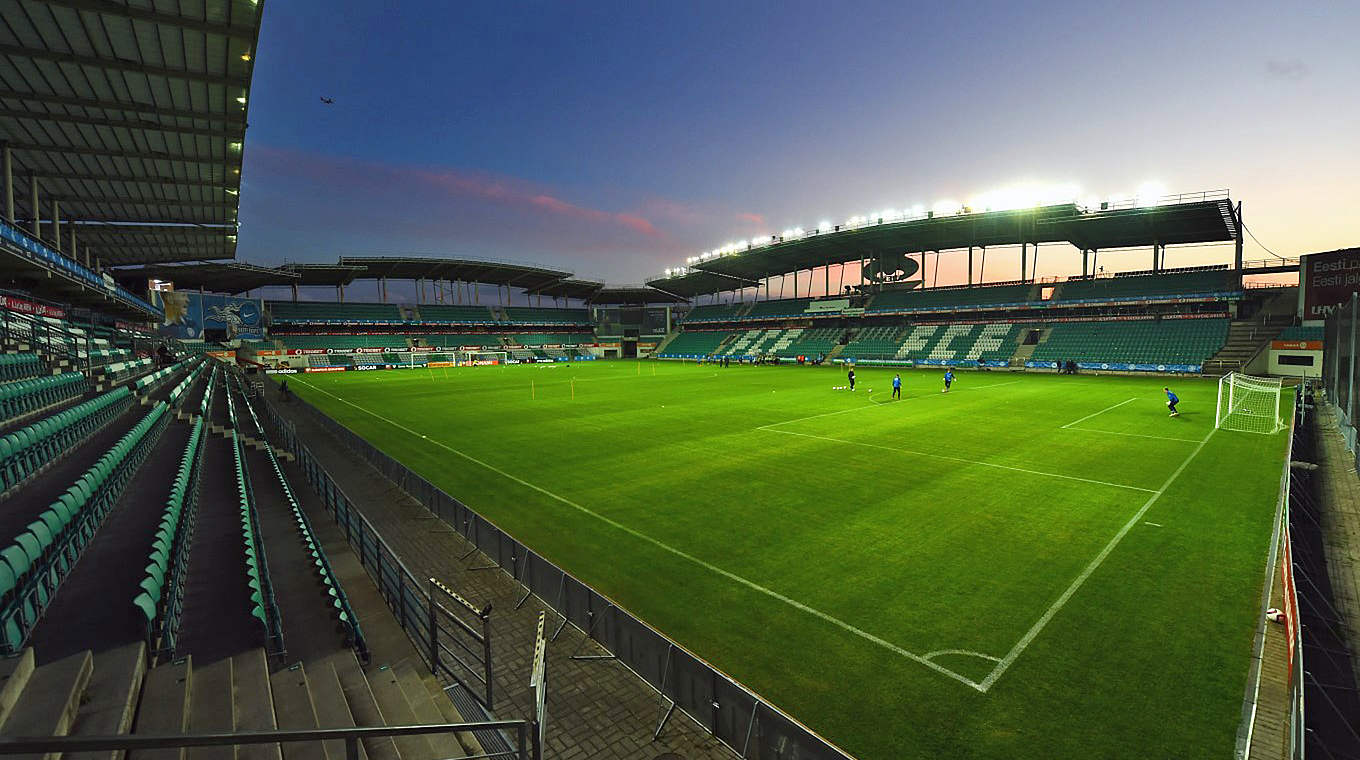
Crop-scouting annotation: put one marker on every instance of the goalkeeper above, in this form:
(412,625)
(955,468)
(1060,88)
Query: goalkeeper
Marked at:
(1171,400)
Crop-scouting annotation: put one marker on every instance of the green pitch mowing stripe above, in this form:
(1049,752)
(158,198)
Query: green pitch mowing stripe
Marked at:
(972,573)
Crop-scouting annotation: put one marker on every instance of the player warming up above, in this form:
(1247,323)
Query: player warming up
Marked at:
(1171,400)
(851,378)
(897,387)
(948,380)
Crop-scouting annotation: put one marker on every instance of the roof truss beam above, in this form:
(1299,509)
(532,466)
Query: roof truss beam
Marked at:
(139,124)
(118,64)
(114,152)
(117,105)
(148,180)
(155,17)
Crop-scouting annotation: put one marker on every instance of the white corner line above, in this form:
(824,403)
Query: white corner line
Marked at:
(888,645)
(1097,414)
(1090,568)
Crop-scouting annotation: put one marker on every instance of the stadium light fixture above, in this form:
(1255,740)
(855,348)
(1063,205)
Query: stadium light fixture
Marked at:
(823,226)
(947,208)
(241,100)
(1150,194)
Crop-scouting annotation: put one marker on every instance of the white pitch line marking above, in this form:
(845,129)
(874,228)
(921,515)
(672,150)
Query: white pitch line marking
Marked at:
(962,460)
(870,406)
(678,552)
(964,652)
(1097,414)
(1090,568)
(1132,435)
(1153,524)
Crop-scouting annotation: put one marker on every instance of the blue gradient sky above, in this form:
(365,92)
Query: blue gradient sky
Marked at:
(615,139)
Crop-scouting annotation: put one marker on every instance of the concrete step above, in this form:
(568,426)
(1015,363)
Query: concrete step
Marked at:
(50,700)
(397,710)
(425,710)
(363,705)
(332,711)
(212,708)
(165,707)
(254,703)
(14,674)
(450,713)
(111,699)
(295,712)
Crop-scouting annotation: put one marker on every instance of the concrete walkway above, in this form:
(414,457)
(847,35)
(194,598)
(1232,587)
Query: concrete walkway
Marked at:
(596,709)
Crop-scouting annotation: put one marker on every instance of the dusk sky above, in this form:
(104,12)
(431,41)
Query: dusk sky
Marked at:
(617,139)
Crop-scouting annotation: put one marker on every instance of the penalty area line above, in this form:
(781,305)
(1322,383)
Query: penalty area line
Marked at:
(752,585)
(1091,567)
(1097,414)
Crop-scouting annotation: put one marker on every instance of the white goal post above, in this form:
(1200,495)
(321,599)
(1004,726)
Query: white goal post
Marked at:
(1248,404)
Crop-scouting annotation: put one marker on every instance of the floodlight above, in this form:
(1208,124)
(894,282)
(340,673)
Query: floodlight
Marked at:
(1150,194)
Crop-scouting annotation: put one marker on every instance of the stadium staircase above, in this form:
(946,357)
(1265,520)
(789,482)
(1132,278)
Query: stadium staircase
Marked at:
(1245,339)
(113,692)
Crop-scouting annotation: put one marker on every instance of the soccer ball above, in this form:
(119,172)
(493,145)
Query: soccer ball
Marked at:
(1274,615)
(1168,405)
(944,390)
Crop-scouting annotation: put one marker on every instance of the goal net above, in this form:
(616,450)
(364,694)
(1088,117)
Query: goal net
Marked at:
(1248,404)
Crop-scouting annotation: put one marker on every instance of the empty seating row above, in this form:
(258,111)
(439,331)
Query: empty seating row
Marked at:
(787,307)
(284,311)
(109,355)
(183,386)
(264,607)
(465,315)
(543,339)
(456,340)
(1299,332)
(161,601)
(949,298)
(20,366)
(1125,287)
(40,557)
(335,593)
(519,315)
(150,381)
(1143,341)
(691,345)
(24,396)
(718,312)
(341,342)
(28,449)
(117,372)
(811,342)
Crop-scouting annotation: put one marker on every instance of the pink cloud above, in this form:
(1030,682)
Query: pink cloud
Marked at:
(747,216)
(509,191)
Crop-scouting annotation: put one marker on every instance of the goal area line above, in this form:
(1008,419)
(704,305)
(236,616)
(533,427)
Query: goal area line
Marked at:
(1002,663)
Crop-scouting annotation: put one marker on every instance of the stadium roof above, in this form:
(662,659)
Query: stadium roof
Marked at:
(218,277)
(635,295)
(463,270)
(333,275)
(569,288)
(1208,218)
(130,112)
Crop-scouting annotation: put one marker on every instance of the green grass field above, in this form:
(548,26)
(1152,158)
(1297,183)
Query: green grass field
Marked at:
(1030,566)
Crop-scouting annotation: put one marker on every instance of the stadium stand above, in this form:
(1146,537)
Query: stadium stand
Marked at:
(457,340)
(1299,332)
(811,342)
(1145,341)
(518,315)
(788,307)
(540,339)
(21,398)
(726,312)
(456,315)
(1143,286)
(345,342)
(284,312)
(20,366)
(692,345)
(30,449)
(949,298)
(960,342)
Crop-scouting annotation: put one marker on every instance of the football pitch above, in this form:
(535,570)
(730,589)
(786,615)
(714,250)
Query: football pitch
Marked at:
(1027,566)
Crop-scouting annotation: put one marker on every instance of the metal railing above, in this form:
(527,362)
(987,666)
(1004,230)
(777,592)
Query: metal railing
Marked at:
(471,661)
(1341,367)
(718,703)
(524,748)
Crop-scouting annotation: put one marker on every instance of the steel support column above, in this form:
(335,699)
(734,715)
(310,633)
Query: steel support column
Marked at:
(970,265)
(8,162)
(1024,259)
(56,225)
(1237,248)
(36,222)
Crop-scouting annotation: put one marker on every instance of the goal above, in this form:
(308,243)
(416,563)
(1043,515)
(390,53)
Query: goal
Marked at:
(1248,404)
(471,358)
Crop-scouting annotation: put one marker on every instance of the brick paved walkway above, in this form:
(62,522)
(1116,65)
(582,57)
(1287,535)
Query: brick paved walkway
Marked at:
(1340,492)
(596,709)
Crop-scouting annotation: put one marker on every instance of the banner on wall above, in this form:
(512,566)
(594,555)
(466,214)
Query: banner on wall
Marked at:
(1327,281)
(188,315)
(29,307)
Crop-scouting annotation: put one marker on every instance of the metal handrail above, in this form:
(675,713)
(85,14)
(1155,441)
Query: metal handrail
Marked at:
(17,745)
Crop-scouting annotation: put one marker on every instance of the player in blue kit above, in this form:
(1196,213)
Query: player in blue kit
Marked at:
(897,387)
(1171,400)
(948,379)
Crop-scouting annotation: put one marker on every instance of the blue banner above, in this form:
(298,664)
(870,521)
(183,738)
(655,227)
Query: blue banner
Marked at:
(1194,369)
(189,314)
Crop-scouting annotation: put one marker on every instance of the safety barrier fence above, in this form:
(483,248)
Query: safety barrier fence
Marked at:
(1341,368)
(728,710)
